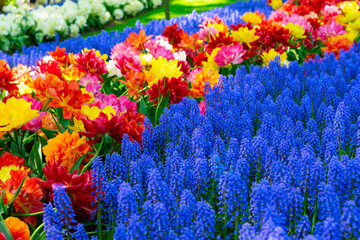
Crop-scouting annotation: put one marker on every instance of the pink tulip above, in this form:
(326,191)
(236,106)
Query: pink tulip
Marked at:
(126,61)
(123,48)
(331,30)
(230,54)
(331,11)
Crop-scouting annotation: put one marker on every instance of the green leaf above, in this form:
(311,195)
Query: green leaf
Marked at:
(4,229)
(14,148)
(35,159)
(77,164)
(59,112)
(39,37)
(91,22)
(65,123)
(160,108)
(43,141)
(109,145)
(49,133)
(16,194)
(143,108)
(2,206)
(37,231)
(42,236)
(98,23)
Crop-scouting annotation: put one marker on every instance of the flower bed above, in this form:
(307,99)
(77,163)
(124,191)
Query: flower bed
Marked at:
(104,42)
(189,134)
(23,27)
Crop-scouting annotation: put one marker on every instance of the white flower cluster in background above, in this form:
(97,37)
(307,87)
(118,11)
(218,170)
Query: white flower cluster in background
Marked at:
(156,3)
(133,7)
(66,20)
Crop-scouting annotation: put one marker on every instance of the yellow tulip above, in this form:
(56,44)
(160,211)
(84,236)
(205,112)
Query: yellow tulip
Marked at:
(15,113)
(221,27)
(275,4)
(211,64)
(162,67)
(244,35)
(353,26)
(296,30)
(271,55)
(349,6)
(252,18)
(352,35)
(78,126)
(93,112)
(5,171)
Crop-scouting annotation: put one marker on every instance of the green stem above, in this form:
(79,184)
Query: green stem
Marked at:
(26,139)
(314,218)
(212,191)
(13,138)
(42,236)
(94,224)
(21,146)
(303,90)
(124,92)
(226,219)
(99,213)
(99,193)
(144,89)
(87,165)
(237,224)
(36,231)
(45,107)
(28,215)
(93,146)
(96,154)
(2,93)
(157,109)
(113,229)
(67,227)
(306,202)
(56,122)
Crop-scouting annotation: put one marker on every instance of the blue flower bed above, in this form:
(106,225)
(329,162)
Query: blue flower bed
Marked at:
(104,42)
(274,157)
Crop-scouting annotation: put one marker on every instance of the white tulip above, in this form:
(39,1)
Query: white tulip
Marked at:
(4,28)
(113,70)
(74,30)
(129,10)
(81,21)
(180,55)
(163,42)
(104,18)
(118,14)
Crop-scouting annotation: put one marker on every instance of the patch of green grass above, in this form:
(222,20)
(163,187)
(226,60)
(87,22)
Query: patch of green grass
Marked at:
(177,8)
